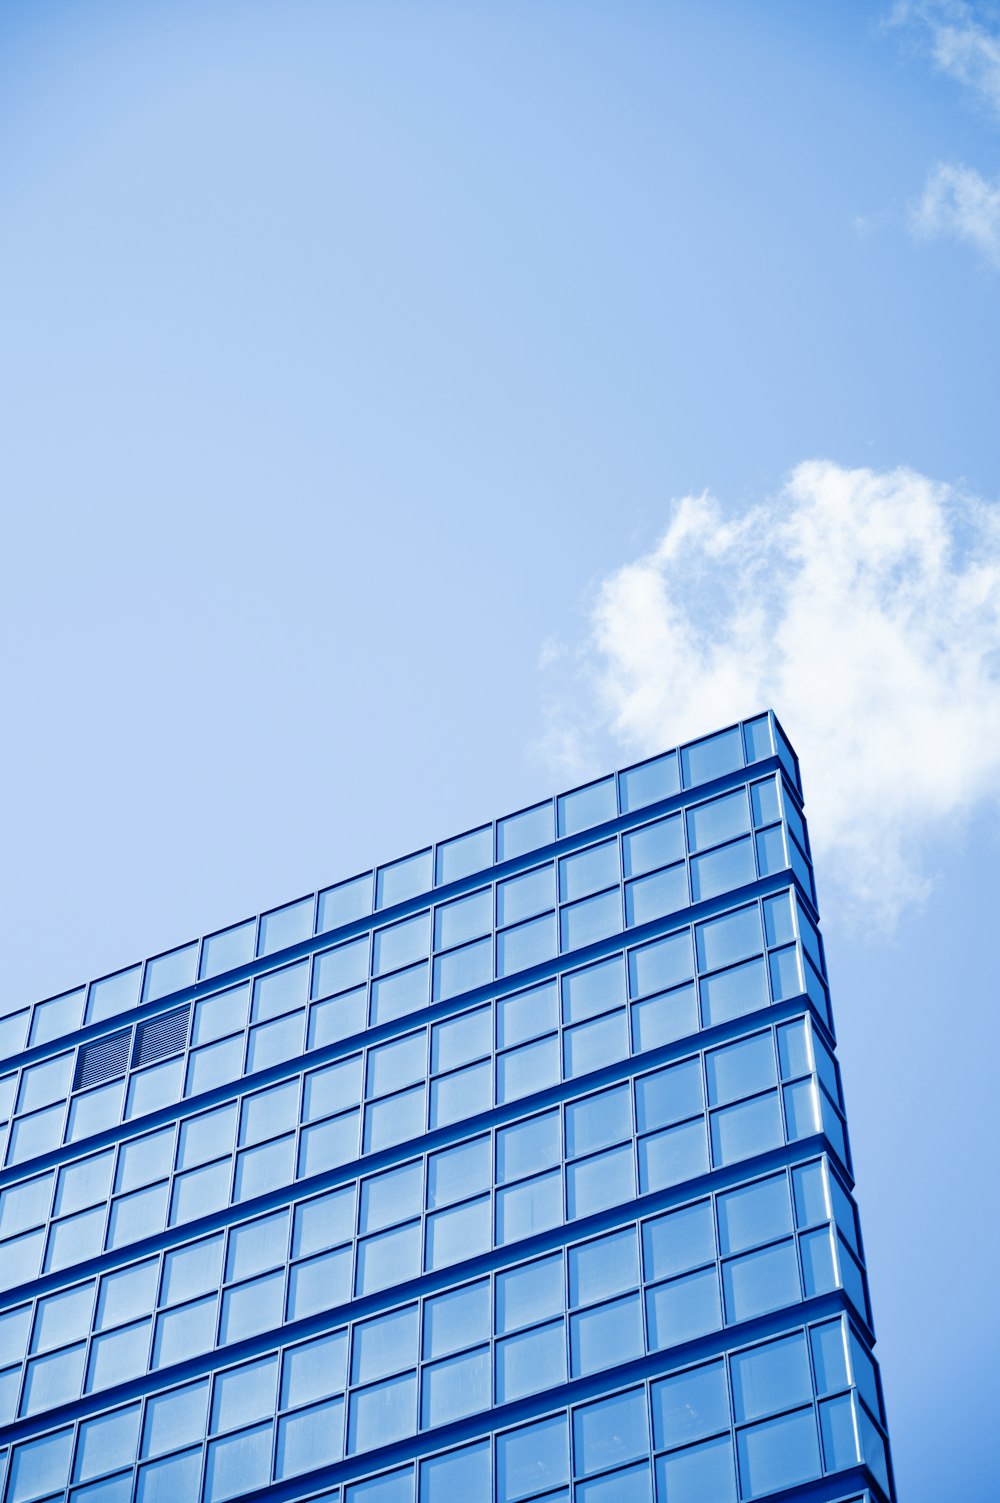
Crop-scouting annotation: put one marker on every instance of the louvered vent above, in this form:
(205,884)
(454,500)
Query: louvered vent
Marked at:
(161,1036)
(105,1059)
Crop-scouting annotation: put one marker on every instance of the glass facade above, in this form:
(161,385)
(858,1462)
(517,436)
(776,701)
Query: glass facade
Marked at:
(516,1169)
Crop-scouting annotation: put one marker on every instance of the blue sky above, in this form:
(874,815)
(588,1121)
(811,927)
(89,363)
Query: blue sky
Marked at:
(358,359)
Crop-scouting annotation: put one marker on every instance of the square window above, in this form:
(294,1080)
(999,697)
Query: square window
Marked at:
(655,896)
(653,846)
(457,1387)
(697,1473)
(461,1040)
(456,1173)
(530,1207)
(328,1144)
(401,944)
(778,1453)
(670,1095)
(660,965)
(463,855)
(456,1319)
(527,1147)
(244,1394)
(257,1246)
(456,1474)
(382,1414)
(238,1464)
(314,1370)
(691,1406)
(719,820)
(610,1432)
(394,1119)
(741,1069)
(401,993)
(522,1072)
(770,1377)
(228,949)
(526,945)
(393,1196)
(319,1283)
(606,1335)
(466,918)
(532,1459)
(385,1345)
(531,1293)
(389,1258)
(742,1131)
(248,1309)
(589,1046)
(605,1180)
(526,1015)
(672,1156)
(403,879)
(323,1222)
(341,968)
(761,1281)
(174,1419)
(683,1309)
(458,1233)
(463,970)
(337,1018)
(587,806)
(702,761)
(463,1093)
(525,831)
(588,871)
(754,1213)
(344,903)
(312,1438)
(678,1241)
(285,926)
(603,1267)
(528,1362)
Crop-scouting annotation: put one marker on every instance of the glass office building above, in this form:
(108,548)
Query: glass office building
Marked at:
(513,1170)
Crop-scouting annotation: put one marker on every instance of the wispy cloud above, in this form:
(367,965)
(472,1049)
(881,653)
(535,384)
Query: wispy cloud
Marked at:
(865,607)
(962,40)
(959,202)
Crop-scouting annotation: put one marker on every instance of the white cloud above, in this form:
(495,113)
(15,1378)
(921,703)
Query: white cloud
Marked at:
(865,607)
(958,201)
(963,41)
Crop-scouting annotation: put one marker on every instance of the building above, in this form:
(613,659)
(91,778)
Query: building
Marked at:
(516,1169)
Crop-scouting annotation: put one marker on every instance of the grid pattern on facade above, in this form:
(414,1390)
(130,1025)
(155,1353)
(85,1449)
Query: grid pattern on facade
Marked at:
(584,1230)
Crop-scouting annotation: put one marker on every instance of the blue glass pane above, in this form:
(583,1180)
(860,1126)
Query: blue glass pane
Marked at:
(591,919)
(819,1268)
(649,782)
(533,1360)
(464,919)
(771,853)
(285,926)
(678,1241)
(629,1486)
(655,896)
(463,969)
(829,1356)
(770,1377)
(339,969)
(527,1147)
(588,871)
(523,832)
(344,903)
(403,879)
(786,975)
(401,944)
(593,990)
(454,1388)
(837,1425)
(237,1464)
(456,1474)
(672,1156)
(457,1318)
(174,1419)
(603,1267)
(723,941)
(458,1233)
(665,963)
(587,806)
(669,1096)
(390,1197)
(660,1020)
(683,1309)
(533,1206)
(610,1432)
(757,738)
(394,1487)
(464,854)
(530,1293)
(522,897)
(722,870)
(244,1394)
(168,973)
(525,945)
(383,1413)
(605,1180)
(313,1370)
(394,996)
(597,1121)
(757,1213)
(591,1045)
(719,820)
(531,1068)
(809,1191)
(388,1258)
(313,1438)
(652,846)
(752,1127)
(385,1345)
(703,760)
(106,1443)
(778,1453)
(532,1459)
(526,1015)
(606,1335)
(461,1039)
(461,1094)
(166,1481)
(691,1405)
(698,1474)
(458,1172)
(761,1281)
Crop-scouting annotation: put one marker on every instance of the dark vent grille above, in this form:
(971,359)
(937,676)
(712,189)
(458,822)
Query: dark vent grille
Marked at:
(161,1036)
(106,1059)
